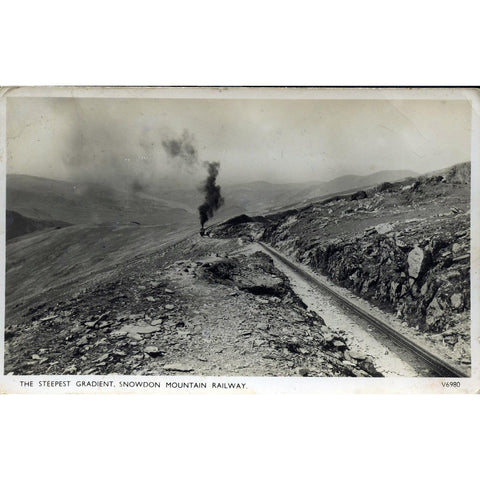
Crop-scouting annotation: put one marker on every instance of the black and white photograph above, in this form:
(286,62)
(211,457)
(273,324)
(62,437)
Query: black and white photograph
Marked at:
(237,233)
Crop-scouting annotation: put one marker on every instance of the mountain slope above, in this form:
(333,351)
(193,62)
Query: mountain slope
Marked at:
(18,225)
(89,203)
(403,246)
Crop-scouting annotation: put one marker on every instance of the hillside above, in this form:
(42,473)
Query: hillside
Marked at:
(18,225)
(182,310)
(262,197)
(163,300)
(351,182)
(403,246)
(89,203)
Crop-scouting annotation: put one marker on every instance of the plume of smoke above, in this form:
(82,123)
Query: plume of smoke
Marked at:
(182,149)
(213,197)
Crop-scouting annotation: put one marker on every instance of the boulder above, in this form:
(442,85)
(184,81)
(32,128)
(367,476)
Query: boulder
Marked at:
(153,351)
(177,367)
(358,195)
(456,300)
(434,315)
(418,261)
(357,355)
(383,228)
(457,247)
(82,341)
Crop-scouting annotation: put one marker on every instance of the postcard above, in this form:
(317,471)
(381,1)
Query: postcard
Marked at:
(240,240)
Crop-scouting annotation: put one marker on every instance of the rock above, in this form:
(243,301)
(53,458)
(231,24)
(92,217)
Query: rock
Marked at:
(169,306)
(456,247)
(461,258)
(146,329)
(153,351)
(383,228)
(358,195)
(393,288)
(49,317)
(339,344)
(453,274)
(448,332)
(156,322)
(151,299)
(270,356)
(434,313)
(134,331)
(134,336)
(357,355)
(82,341)
(178,367)
(304,372)
(90,371)
(261,300)
(417,262)
(329,337)
(456,300)
(360,373)
(102,358)
(167,290)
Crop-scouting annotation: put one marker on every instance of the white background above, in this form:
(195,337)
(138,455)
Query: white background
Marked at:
(241,43)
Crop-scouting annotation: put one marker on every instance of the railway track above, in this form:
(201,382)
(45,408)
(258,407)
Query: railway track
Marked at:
(436,364)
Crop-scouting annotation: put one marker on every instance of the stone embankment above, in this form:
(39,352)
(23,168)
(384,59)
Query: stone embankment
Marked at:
(405,247)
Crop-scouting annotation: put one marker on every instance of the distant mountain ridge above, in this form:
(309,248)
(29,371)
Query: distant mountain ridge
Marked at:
(47,200)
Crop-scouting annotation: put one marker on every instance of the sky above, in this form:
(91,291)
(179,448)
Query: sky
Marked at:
(280,141)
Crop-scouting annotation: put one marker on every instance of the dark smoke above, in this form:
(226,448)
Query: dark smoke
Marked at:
(213,197)
(182,149)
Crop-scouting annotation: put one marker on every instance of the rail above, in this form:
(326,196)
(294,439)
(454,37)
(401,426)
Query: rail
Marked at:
(437,364)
